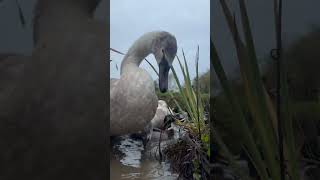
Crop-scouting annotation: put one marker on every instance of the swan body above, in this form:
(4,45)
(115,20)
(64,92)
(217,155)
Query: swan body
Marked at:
(133,101)
(11,69)
(52,123)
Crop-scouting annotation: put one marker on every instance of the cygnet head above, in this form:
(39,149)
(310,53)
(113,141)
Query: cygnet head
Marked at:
(164,48)
(162,103)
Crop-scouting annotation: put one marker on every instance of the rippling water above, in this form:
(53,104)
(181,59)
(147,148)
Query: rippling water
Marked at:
(133,166)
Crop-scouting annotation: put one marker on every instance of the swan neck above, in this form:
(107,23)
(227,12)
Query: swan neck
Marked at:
(137,53)
(57,16)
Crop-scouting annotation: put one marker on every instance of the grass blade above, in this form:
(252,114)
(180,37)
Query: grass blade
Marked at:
(21,16)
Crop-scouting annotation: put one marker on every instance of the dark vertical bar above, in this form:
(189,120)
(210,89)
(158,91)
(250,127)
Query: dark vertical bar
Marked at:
(108,87)
(211,117)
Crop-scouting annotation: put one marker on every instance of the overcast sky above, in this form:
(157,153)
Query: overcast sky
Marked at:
(187,20)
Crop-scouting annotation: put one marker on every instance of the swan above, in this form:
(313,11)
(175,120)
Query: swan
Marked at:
(53,122)
(133,100)
(54,18)
(48,18)
(11,68)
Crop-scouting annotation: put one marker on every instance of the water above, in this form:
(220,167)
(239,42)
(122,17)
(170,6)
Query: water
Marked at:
(133,165)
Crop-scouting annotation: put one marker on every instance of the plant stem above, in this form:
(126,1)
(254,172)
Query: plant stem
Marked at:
(144,59)
(279,102)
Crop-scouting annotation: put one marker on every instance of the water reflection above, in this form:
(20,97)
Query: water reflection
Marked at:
(132,150)
(132,165)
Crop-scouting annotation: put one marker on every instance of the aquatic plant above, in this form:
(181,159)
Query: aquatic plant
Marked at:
(191,98)
(260,143)
(197,126)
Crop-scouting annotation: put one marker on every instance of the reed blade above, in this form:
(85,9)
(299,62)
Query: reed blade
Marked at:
(249,141)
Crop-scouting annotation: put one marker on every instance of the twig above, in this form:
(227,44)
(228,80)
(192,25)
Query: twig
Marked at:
(198,115)
(277,57)
(159,145)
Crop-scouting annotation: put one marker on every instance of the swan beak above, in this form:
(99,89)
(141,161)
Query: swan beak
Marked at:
(164,68)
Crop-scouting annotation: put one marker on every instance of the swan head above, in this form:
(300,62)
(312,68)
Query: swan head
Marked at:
(164,50)
(86,5)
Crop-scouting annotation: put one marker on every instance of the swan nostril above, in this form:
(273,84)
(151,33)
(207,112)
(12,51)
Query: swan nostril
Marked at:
(163,54)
